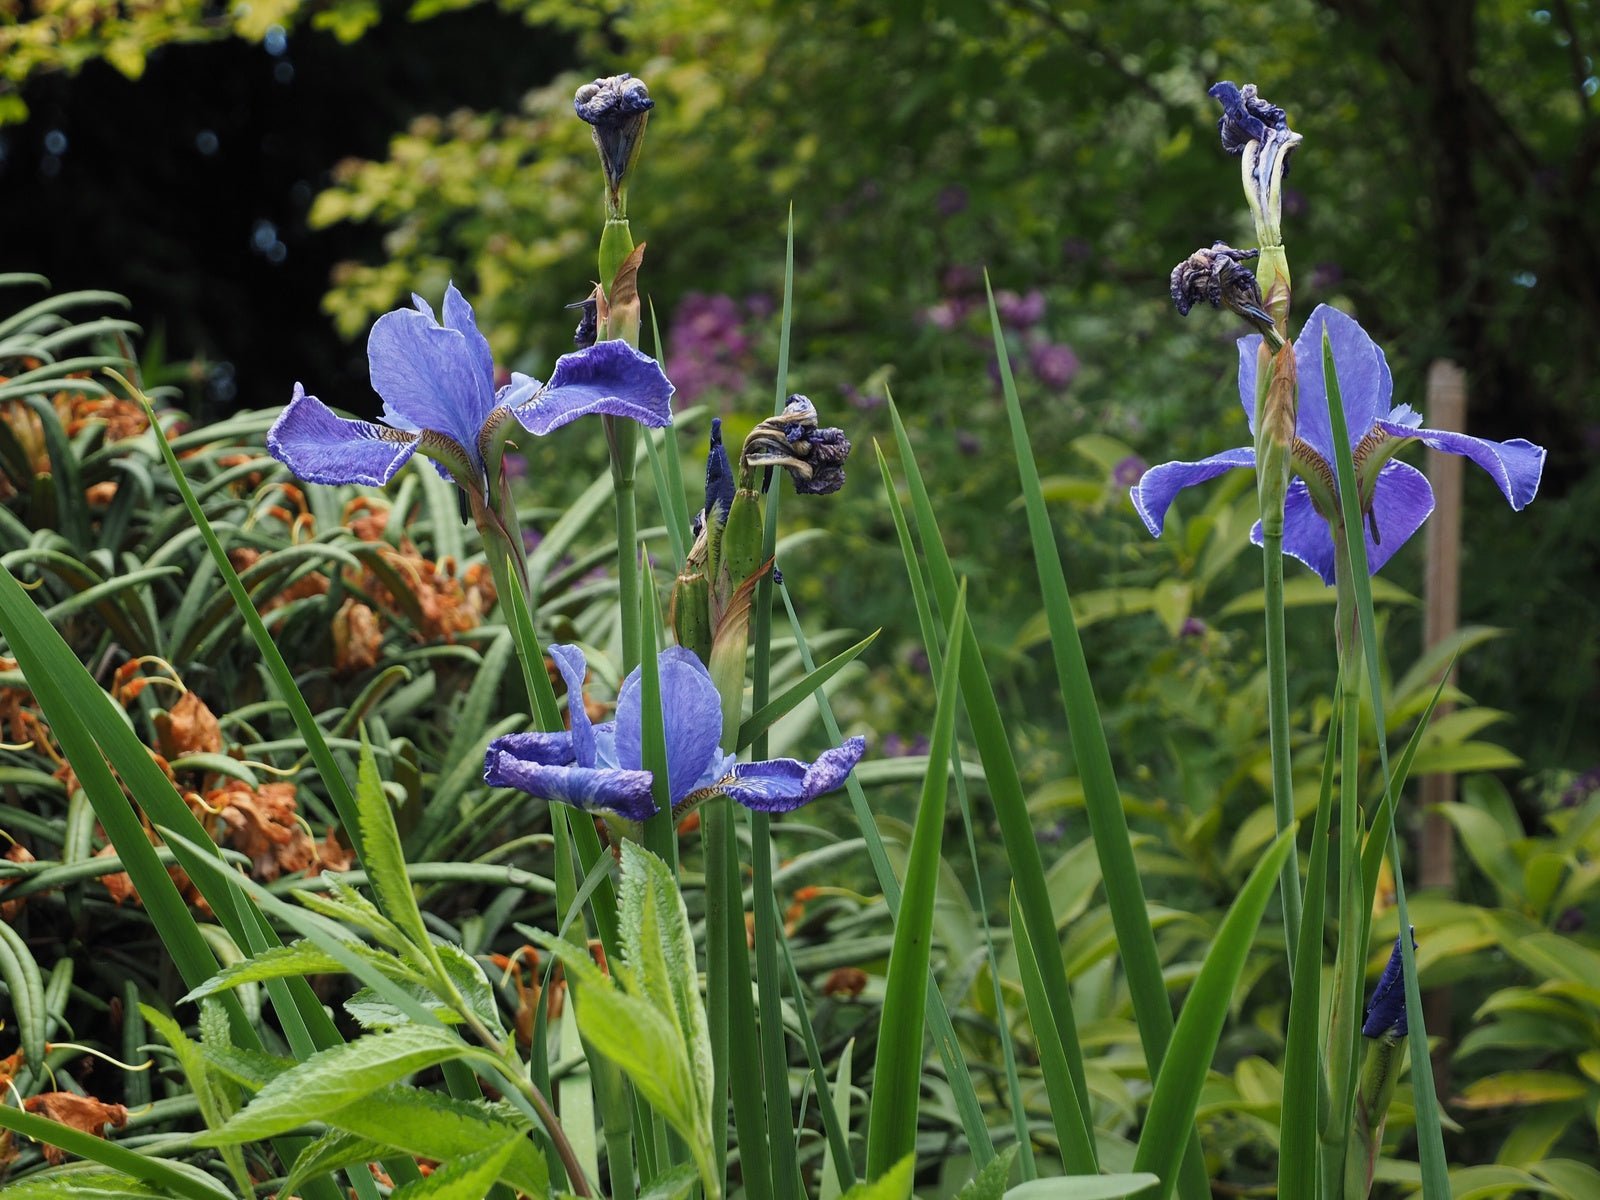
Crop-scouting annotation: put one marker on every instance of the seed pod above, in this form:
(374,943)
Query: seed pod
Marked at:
(691,613)
(740,555)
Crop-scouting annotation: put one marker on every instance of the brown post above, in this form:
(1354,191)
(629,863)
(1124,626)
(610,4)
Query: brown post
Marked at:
(1446,409)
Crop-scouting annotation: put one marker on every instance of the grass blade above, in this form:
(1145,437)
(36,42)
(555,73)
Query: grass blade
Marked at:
(897,1073)
(174,1180)
(1163,1141)
(1102,797)
(1430,1134)
(1005,784)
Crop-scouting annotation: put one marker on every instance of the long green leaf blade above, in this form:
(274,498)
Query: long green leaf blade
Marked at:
(1170,1116)
(897,1073)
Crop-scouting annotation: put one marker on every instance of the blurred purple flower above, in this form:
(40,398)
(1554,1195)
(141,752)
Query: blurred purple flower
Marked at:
(1193,627)
(1325,276)
(968,443)
(1054,363)
(959,280)
(895,746)
(951,200)
(947,314)
(1128,471)
(708,347)
(864,401)
(1020,312)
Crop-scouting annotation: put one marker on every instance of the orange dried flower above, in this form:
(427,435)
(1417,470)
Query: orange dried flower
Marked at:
(83,1113)
(17,853)
(188,727)
(845,982)
(357,638)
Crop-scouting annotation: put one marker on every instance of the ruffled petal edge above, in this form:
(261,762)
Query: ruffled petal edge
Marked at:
(320,446)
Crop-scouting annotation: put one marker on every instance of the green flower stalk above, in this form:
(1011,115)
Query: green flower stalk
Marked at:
(617,108)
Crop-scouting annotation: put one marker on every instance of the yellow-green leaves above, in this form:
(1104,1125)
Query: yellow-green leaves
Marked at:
(653,1025)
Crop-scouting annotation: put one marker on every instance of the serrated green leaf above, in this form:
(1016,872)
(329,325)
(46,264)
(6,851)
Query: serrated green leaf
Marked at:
(660,952)
(213,1104)
(632,1032)
(990,1183)
(336,1077)
(465,1177)
(276,962)
(382,857)
(430,1125)
(676,1183)
(331,1152)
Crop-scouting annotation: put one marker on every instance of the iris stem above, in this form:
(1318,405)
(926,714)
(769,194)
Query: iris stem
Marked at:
(1350,963)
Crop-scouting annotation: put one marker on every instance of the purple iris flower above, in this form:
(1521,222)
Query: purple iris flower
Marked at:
(599,767)
(1395,498)
(437,384)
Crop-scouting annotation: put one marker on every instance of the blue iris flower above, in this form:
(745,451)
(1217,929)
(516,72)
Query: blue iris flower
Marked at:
(1395,498)
(437,384)
(600,767)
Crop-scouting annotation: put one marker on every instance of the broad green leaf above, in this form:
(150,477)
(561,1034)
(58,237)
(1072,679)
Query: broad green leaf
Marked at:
(95,1185)
(381,854)
(897,1074)
(276,962)
(214,1105)
(1521,1089)
(990,1183)
(675,1183)
(331,1152)
(430,1125)
(894,1184)
(660,954)
(1170,1115)
(465,1177)
(1084,1187)
(336,1077)
(632,1032)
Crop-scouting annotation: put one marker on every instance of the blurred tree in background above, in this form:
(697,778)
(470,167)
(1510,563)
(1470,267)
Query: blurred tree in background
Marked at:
(1444,194)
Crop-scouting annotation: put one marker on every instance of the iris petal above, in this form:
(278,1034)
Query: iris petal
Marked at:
(548,749)
(608,789)
(320,447)
(691,712)
(1157,488)
(1365,385)
(1516,466)
(1402,499)
(784,784)
(574,669)
(429,377)
(609,377)
(458,315)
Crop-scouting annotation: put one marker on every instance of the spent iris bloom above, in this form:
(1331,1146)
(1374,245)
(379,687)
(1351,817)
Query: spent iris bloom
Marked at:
(599,767)
(1395,498)
(437,384)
